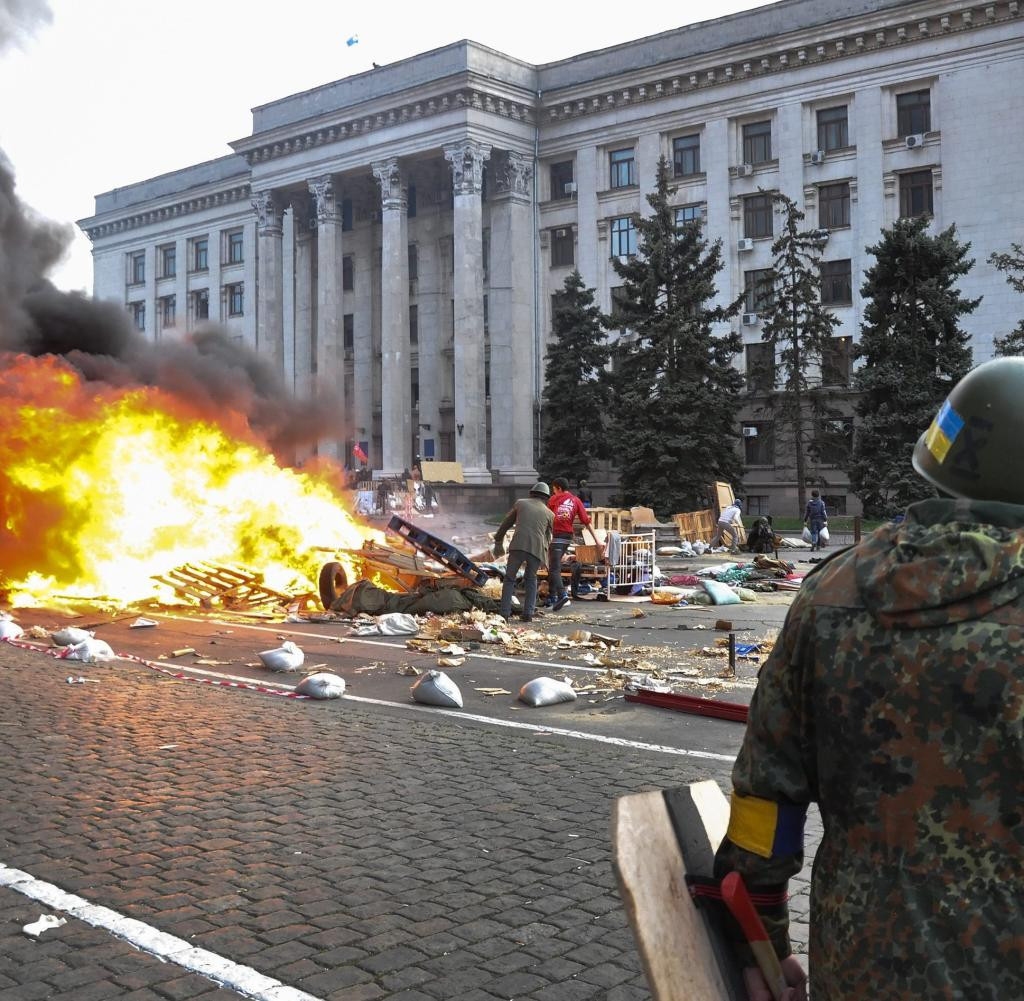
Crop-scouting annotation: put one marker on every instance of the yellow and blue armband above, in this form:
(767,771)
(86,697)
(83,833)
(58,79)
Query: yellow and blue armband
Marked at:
(766,828)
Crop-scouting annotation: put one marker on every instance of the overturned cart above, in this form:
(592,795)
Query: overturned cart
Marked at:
(433,561)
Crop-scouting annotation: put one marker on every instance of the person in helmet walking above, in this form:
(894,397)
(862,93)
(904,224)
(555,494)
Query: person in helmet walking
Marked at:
(894,699)
(730,523)
(533,521)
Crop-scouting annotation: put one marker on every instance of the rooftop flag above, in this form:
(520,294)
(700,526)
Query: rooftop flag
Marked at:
(353,40)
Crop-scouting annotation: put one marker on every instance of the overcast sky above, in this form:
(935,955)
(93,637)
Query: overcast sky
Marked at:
(115,91)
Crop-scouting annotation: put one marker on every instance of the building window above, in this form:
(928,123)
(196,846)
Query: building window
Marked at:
(200,254)
(348,334)
(347,279)
(622,165)
(414,324)
(623,237)
(414,380)
(688,213)
(757,142)
(563,251)
(837,362)
(138,311)
(913,112)
(235,255)
(414,262)
(168,306)
(487,319)
(757,216)
(168,261)
(235,299)
(760,359)
(834,205)
(410,202)
(137,268)
(916,194)
(835,503)
(836,283)
(833,128)
(759,444)
(758,289)
(686,156)
(562,183)
(835,440)
(346,214)
(485,254)
(758,505)
(201,304)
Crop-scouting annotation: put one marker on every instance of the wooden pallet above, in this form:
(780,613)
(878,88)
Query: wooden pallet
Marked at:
(216,584)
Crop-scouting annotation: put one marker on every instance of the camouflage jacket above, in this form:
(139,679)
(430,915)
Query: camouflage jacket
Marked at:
(894,699)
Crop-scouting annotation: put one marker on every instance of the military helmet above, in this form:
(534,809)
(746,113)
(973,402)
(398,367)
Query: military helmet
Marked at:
(541,488)
(974,446)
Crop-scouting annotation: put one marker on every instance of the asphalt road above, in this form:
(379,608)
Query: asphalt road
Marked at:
(359,849)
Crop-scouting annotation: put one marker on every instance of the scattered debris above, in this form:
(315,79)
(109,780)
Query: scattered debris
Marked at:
(44,923)
(37,633)
(183,652)
(143,623)
(408,671)
(79,680)
(492,691)
(450,661)
(218,585)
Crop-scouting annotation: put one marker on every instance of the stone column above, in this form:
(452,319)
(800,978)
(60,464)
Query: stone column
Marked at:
(269,278)
(511,320)
(301,213)
(396,391)
(329,351)
(467,162)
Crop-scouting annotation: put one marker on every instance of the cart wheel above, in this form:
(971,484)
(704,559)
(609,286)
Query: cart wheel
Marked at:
(333,580)
(601,596)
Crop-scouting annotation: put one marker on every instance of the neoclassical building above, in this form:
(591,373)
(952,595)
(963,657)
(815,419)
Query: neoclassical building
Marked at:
(398,236)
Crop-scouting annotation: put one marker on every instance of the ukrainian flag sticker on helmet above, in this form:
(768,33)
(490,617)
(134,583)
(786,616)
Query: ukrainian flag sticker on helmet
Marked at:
(943,432)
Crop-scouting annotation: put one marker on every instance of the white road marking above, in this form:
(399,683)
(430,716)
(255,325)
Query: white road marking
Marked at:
(492,721)
(243,979)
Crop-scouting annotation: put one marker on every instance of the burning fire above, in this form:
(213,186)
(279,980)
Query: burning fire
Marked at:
(101,488)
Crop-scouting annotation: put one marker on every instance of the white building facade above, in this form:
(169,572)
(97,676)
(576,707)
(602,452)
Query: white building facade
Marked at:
(397,236)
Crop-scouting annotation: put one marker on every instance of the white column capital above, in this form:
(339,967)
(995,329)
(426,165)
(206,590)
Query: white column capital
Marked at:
(268,209)
(324,194)
(467,159)
(513,174)
(299,204)
(389,176)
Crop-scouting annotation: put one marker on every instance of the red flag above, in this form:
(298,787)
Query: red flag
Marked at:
(359,453)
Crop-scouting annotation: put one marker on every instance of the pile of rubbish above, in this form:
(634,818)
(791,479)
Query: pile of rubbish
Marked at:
(727,583)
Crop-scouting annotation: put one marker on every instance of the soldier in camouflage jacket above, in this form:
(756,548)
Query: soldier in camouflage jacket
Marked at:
(894,699)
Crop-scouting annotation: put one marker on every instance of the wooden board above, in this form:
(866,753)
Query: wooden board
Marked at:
(657,838)
(442,472)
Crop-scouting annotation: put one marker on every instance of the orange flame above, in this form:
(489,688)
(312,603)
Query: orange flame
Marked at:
(100,489)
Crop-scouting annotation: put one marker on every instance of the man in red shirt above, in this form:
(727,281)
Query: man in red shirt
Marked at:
(566,508)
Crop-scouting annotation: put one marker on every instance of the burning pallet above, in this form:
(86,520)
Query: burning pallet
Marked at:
(217,585)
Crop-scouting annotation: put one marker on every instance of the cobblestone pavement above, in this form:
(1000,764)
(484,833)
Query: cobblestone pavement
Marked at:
(351,852)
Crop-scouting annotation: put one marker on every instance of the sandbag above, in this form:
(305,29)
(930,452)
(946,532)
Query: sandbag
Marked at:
(70,635)
(546,692)
(322,685)
(745,594)
(435,688)
(10,630)
(286,657)
(721,594)
(90,651)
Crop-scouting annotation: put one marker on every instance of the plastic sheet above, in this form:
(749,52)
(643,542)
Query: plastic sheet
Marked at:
(435,688)
(546,692)
(90,651)
(322,685)
(287,657)
(70,636)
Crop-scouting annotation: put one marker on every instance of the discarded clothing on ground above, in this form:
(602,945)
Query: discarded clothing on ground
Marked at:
(435,688)
(546,692)
(322,685)
(367,597)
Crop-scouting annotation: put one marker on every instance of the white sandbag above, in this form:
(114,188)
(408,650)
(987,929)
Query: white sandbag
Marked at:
(721,594)
(669,550)
(90,651)
(700,548)
(10,630)
(823,535)
(746,594)
(806,534)
(70,635)
(685,549)
(287,657)
(397,624)
(322,685)
(435,688)
(546,692)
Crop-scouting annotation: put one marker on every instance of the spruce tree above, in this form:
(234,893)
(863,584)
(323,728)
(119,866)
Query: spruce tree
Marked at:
(1012,265)
(800,331)
(575,392)
(914,351)
(673,422)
